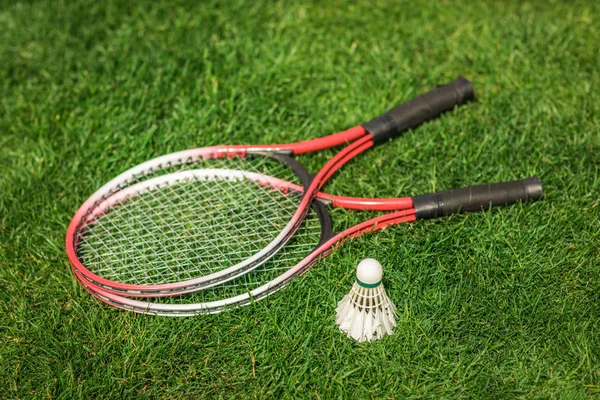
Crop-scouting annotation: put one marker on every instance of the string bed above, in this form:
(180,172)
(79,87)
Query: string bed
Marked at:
(174,231)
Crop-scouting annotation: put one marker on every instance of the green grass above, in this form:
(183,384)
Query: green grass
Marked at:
(504,304)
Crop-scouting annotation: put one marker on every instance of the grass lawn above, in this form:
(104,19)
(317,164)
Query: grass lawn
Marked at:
(502,304)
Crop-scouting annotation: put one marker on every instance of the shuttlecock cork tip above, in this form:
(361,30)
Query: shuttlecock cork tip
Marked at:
(369,273)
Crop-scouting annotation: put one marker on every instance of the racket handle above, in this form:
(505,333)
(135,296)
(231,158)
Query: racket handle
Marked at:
(424,108)
(477,198)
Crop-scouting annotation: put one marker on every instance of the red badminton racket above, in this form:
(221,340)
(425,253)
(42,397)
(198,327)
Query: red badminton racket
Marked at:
(293,259)
(198,218)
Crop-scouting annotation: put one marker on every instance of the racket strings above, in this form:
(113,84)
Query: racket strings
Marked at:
(171,222)
(187,229)
(300,245)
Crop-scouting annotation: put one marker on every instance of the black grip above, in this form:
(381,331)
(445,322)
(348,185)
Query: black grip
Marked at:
(477,198)
(424,108)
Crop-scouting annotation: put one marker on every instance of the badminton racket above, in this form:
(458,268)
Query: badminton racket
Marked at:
(277,272)
(198,218)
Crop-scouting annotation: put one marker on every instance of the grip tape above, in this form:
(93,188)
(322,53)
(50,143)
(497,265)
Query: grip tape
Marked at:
(477,198)
(421,109)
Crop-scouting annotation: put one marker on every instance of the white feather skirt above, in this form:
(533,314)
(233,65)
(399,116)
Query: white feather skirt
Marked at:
(366,314)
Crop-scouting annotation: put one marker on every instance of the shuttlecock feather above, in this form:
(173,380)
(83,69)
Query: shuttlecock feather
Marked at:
(366,313)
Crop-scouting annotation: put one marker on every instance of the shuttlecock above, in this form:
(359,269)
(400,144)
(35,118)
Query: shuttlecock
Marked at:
(366,313)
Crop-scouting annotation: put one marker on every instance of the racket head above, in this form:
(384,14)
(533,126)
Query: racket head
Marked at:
(188,221)
(228,294)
